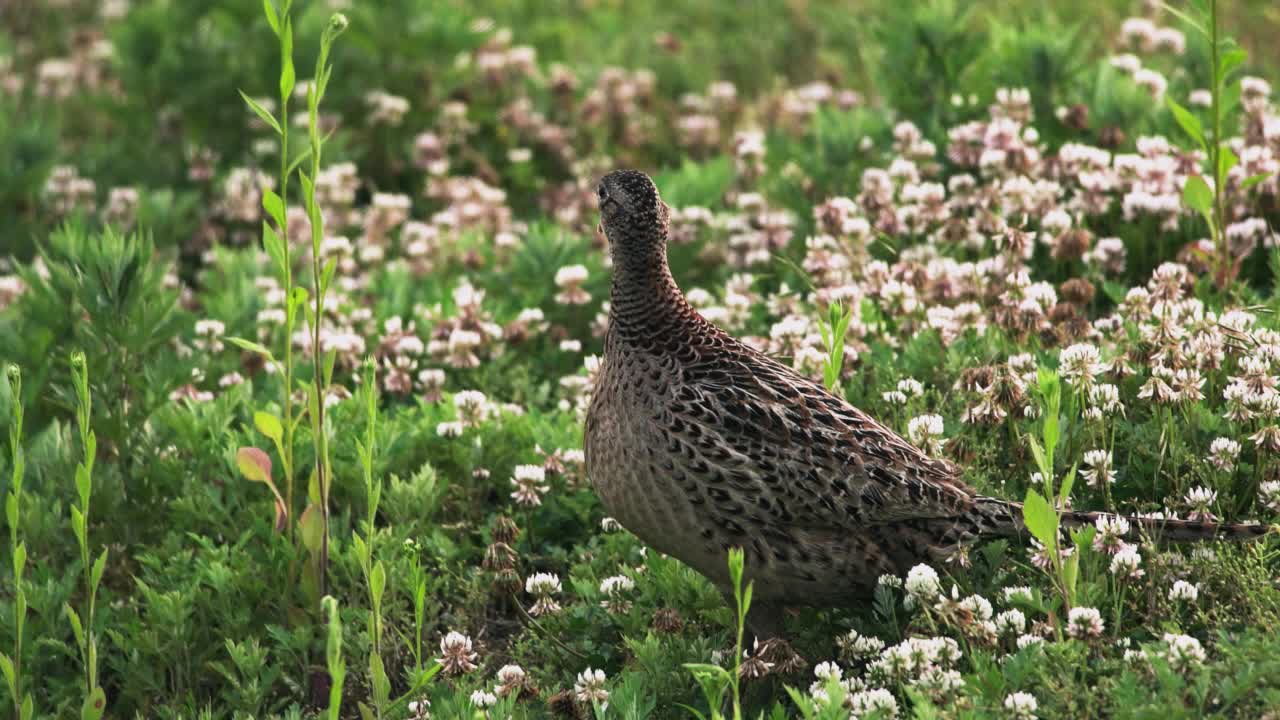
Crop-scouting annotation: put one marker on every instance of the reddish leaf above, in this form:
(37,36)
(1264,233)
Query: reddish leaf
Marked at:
(254,464)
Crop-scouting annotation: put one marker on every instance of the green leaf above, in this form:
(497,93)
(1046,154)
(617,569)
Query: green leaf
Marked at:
(251,346)
(270,11)
(19,560)
(94,705)
(381,684)
(6,666)
(326,277)
(83,481)
(274,246)
(11,509)
(378,582)
(262,112)
(28,708)
(1227,159)
(287,75)
(1184,18)
(99,567)
(1064,492)
(1190,123)
(254,464)
(77,628)
(1041,520)
(1042,462)
(1230,60)
(1197,195)
(274,206)
(269,425)
(311,527)
(333,645)
(1255,179)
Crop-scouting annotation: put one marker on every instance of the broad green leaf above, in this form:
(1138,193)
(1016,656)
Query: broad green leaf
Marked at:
(1227,159)
(311,526)
(1197,195)
(1190,123)
(274,206)
(1231,59)
(1041,520)
(261,112)
(94,705)
(269,425)
(254,464)
(274,246)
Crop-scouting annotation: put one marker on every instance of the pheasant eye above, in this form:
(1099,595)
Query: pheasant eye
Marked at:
(602,192)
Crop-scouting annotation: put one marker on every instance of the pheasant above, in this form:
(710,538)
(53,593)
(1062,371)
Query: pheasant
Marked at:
(697,443)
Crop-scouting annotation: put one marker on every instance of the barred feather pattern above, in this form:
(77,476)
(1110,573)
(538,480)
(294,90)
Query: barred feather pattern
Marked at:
(698,443)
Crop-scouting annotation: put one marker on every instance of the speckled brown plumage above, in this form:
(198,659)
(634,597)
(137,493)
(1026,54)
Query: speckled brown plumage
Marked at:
(698,443)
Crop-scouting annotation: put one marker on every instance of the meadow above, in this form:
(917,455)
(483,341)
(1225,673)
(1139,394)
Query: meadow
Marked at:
(302,303)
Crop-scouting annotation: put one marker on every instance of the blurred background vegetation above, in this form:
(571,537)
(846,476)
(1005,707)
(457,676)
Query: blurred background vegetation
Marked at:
(172,71)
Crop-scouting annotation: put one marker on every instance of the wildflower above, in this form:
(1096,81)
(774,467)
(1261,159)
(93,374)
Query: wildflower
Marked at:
(1199,500)
(483,699)
(1183,652)
(1021,705)
(1026,641)
(1017,594)
(856,646)
(1269,495)
(877,700)
(610,525)
(1011,622)
(590,688)
(1127,562)
(889,581)
(511,680)
(753,664)
(667,620)
(542,586)
(1183,590)
(569,279)
(419,709)
(1100,469)
(925,432)
(615,589)
(450,429)
(456,656)
(1111,530)
(922,582)
(1084,622)
(1041,558)
(1223,453)
(529,481)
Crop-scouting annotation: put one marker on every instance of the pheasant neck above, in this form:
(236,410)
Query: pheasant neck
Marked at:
(645,299)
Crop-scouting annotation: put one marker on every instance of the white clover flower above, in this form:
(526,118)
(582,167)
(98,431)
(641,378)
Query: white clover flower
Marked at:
(590,687)
(1026,641)
(1111,530)
(880,700)
(1084,622)
(483,699)
(1269,495)
(910,387)
(1020,593)
(925,432)
(1021,705)
(922,582)
(856,646)
(1183,652)
(1081,364)
(456,655)
(1223,453)
(1011,622)
(1100,468)
(1200,500)
(1184,591)
(826,671)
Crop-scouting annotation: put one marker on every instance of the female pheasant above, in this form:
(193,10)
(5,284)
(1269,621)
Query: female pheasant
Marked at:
(698,443)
